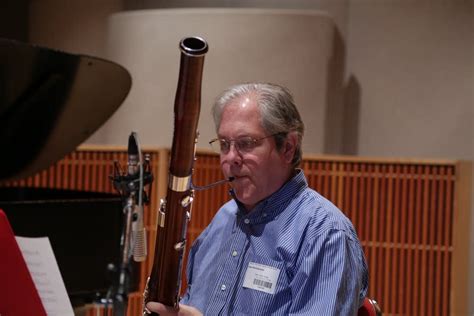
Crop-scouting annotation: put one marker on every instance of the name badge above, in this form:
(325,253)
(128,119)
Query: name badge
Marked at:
(261,277)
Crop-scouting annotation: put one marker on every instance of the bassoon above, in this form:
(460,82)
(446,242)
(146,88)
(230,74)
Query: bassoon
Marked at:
(164,282)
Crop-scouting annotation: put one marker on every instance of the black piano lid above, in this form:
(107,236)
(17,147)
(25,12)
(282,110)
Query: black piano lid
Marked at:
(51,102)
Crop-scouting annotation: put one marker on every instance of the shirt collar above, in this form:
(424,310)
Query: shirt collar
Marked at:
(269,208)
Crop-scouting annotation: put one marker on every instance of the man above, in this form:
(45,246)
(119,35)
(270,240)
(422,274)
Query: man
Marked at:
(278,247)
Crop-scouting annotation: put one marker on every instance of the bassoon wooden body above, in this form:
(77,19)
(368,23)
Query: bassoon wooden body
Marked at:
(164,282)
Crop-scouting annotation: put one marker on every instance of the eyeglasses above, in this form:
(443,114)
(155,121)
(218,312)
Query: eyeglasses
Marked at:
(244,144)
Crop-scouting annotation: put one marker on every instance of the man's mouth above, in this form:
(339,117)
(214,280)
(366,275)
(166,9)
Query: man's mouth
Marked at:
(239,178)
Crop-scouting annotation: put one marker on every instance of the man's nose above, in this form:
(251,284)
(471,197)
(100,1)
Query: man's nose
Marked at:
(233,156)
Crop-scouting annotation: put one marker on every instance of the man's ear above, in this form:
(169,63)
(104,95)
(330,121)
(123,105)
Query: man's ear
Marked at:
(289,146)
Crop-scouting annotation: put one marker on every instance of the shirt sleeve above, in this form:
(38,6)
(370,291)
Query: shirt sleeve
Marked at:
(331,278)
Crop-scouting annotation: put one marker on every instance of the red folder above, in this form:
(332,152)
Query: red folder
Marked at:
(18,294)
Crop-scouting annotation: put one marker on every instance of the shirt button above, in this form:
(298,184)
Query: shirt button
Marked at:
(223,287)
(234,253)
(246,221)
(264,214)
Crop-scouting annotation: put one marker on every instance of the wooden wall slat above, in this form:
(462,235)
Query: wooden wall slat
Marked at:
(386,239)
(433,210)
(402,171)
(395,201)
(438,277)
(374,232)
(445,242)
(423,239)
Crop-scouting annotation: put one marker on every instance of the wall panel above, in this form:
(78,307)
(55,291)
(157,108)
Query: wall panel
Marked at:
(412,217)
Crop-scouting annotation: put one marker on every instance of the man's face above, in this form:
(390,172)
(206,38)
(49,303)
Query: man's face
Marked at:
(259,172)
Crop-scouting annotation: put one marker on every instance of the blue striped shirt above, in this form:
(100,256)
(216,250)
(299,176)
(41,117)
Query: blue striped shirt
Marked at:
(295,253)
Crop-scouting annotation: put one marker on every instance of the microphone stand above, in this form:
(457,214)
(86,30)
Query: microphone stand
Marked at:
(130,186)
(119,292)
(116,300)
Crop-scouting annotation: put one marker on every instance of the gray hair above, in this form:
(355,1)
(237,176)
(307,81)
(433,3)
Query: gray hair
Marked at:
(278,111)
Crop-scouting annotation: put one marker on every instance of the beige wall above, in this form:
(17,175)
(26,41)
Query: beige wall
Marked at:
(72,26)
(338,9)
(245,45)
(414,63)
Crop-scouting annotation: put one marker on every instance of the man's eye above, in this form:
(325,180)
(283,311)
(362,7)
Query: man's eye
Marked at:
(246,143)
(224,144)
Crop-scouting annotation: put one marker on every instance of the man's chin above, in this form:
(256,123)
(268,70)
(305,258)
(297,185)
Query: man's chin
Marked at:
(243,198)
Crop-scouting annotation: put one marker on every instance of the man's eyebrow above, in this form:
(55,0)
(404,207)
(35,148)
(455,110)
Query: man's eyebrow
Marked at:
(239,136)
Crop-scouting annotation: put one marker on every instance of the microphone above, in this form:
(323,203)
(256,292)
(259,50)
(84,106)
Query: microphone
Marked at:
(133,157)
(135,167)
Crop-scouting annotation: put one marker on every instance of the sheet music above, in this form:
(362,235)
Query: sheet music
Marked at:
(44,270)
